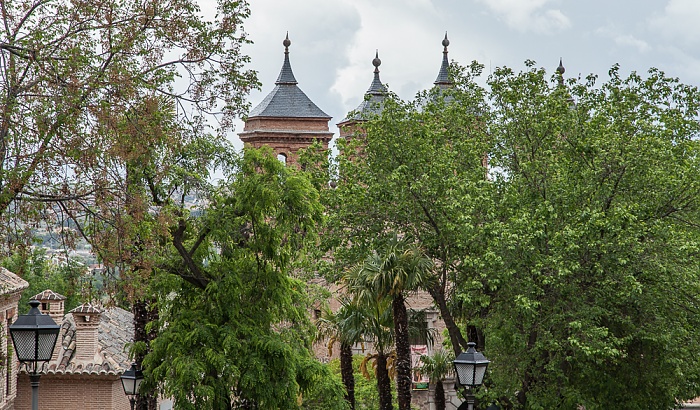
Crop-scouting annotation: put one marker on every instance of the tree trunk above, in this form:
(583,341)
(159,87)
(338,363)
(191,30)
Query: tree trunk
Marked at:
(383,383)
(346,372)
(459,344)
(403,353)
(439,396)
(144,313)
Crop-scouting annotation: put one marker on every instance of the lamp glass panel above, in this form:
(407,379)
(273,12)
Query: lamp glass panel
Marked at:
(129,386)
(137,386)
(465,373)
(479,374)
(25,344)
(47,341)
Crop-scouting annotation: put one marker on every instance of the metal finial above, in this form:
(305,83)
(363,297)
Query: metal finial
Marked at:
(561,68)
(376,62)
(445,42)
(286,43)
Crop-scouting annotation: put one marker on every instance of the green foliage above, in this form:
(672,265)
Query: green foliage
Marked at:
(233,321)
(35,268)
(366,395)
(573,256)
(593,252)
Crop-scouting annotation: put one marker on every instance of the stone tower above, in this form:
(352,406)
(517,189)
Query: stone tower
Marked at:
(286,120)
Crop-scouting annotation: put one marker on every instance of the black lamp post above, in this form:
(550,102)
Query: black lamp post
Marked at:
(470,368)
(34,337)
(131,382)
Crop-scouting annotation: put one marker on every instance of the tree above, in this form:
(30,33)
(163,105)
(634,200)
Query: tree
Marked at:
(70,70)
(392,272)
(371,317)
(437,366)
(233,330)
(594,268)
(421,173)
(342,328)
(572,256)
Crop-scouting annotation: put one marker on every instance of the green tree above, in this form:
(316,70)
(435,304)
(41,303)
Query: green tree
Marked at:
(594,269)
(342,327)
(419,171)
(372,318)
(393,271)
(437,366)
(233,329)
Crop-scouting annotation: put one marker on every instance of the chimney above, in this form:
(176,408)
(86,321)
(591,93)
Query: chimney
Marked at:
(87,321)
(52,304)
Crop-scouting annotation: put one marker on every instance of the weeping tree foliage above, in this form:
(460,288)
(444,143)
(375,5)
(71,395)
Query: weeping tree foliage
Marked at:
(234,331)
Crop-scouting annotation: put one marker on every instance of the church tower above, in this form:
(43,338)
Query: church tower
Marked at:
(443,81)
(371,105)
(286,120)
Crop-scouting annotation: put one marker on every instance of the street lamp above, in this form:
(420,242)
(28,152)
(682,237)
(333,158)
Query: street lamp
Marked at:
(131,382)
(34,337)
(470,367)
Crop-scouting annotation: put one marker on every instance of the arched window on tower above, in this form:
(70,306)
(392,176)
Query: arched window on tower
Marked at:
(282,157)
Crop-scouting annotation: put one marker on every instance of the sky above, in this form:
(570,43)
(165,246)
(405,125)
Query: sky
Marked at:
(334,41)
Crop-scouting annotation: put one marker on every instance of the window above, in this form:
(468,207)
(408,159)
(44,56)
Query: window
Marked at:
(282,157)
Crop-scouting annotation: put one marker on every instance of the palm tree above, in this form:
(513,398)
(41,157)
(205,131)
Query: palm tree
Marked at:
(437,367)
(375,316)
(399,267)
(342,327)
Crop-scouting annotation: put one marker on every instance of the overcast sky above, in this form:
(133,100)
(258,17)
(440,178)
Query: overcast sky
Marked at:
(334,41)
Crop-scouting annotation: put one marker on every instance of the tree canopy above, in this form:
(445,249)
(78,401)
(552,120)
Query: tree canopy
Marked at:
(234,330)
(562,216)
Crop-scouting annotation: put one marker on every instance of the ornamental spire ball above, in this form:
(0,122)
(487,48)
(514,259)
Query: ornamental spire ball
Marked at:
(286,43)
(376,62)
(445,42)
(561,68)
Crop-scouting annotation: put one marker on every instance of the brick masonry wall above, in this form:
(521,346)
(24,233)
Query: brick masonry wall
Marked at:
(8,314)
(73,393)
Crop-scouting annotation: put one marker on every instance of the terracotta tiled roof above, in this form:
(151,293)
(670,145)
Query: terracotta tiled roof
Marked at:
(48,294)
(11,283)
(115,331)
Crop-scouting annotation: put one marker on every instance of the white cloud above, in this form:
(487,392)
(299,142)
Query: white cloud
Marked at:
(679,21)
(404,33)
(529,15)
(623,39)
(631,41)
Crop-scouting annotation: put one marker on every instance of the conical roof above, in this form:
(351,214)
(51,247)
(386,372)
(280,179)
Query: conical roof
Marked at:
(443,78)
(287,100)
(372,104)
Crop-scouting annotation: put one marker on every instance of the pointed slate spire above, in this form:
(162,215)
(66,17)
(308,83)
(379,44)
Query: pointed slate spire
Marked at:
(287,99)
(286,75)
(443,79)
(560,71)
(376,88)
(374,97)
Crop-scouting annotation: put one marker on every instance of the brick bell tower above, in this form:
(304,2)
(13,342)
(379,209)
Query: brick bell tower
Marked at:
(286,120)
